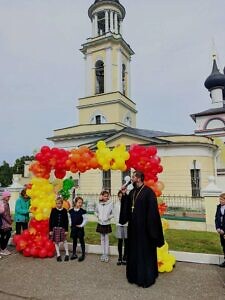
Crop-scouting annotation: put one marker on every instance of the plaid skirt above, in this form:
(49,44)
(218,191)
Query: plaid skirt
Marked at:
(58,235)
(104,229)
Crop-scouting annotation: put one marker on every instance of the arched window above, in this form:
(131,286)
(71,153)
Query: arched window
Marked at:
(99,72)
(215,123)
(127,119)
(98,119)
(124,78)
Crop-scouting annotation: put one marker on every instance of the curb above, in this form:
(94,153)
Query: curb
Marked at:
(199,258)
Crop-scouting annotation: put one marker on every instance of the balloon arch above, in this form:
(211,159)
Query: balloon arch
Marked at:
(35,241)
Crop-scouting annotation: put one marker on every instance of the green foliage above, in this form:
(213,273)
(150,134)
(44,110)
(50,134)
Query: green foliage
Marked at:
(5,174)
(18,167)
(6,171)
(193,241)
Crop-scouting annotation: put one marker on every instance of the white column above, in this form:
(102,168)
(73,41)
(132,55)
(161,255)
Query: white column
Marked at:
(116,22)
(211,194)
(88,75)
(106,21)
(121,27)
(96,25)
(93,27)
(217,97)
(119,74)
(128,79)
(108,70)
(111,21)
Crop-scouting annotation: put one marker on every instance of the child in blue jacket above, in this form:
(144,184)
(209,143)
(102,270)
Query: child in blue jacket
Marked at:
(21,217)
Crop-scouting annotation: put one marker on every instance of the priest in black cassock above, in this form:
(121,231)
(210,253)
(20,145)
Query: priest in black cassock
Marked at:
(145,233)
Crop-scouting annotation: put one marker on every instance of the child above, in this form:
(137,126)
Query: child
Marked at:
(22,212)
(121,228)
(78,220)
(220,223)
(58,228)
(104,213)
(6,223)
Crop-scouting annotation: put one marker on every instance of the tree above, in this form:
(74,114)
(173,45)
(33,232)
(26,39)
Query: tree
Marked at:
(5,174)
(18,167)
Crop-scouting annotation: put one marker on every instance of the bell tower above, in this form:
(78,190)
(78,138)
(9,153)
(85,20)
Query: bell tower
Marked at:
(107,69)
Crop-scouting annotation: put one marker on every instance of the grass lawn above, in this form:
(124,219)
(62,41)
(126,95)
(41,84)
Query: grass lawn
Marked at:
(179,240)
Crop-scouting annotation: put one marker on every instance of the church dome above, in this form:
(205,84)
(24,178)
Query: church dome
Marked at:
(215,79)
(116,3)
(96,1)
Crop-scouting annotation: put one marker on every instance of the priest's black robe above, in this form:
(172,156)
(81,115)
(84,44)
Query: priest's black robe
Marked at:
(145,234)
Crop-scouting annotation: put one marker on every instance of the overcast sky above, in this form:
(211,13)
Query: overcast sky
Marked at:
(42,69)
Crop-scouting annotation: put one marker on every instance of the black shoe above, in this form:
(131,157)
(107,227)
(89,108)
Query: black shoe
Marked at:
(119,262)
(73,256)
(222,265)
(66,258)
(59,258)
(81,258)
(124,261)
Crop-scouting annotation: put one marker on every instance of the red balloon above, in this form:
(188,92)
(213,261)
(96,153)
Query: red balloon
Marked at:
(26,234)
(16,238)
(34,252)
(26,252)
(49,245)
(38,156)
(151,150)
(51,253)
(45,149)
(43,253)
(22,243)
(60,174)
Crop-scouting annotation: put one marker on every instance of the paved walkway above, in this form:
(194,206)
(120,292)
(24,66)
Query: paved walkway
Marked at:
(29,278)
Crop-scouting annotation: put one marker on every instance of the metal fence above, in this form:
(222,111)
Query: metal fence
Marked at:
(184,206)
(177,205)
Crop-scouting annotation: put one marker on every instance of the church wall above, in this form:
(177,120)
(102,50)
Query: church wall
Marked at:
(90,182)
(220,182)
(176,173)
(126,140)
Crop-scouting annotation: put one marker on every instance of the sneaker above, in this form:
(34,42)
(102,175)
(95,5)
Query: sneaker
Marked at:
(222,265)
(5,252)
(102,258)
(66,258)
(59,258)
(73,256)
(106,258)
(119,262)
